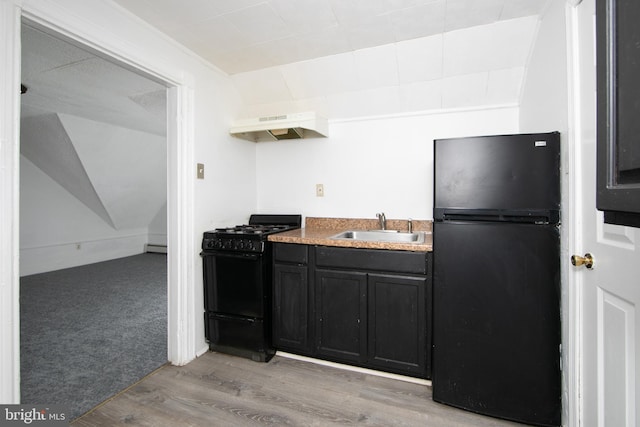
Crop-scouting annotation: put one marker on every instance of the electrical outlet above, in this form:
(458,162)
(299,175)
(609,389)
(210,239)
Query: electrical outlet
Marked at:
(200,172)
(319,190)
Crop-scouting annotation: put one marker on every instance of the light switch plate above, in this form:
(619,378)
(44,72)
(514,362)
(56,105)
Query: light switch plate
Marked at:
(200,171)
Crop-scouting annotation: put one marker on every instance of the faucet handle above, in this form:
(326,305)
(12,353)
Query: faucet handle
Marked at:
(410,225)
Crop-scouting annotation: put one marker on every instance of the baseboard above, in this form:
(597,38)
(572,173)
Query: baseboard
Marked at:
(41,259)
(156,249)
(354,368)
(202,351)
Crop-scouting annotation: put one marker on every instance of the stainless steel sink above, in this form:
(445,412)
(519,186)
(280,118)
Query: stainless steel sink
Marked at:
(381,236)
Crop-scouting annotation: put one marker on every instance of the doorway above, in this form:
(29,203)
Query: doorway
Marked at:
(94,152)
(180,198)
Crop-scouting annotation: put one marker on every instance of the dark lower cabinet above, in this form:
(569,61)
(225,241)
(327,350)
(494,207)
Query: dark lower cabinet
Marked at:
(290,303)
(398,338)
(341,315)
(370,308)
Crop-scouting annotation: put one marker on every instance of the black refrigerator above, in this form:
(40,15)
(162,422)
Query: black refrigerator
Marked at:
(496,276)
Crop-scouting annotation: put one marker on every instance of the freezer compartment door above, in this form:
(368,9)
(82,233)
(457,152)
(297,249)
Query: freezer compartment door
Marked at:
(498,174)
(497,320)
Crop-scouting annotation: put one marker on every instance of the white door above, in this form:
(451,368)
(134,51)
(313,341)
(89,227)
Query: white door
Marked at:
(607,297)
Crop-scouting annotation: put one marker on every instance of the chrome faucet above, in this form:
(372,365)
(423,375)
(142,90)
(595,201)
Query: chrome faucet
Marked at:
(382,220)
(410,225)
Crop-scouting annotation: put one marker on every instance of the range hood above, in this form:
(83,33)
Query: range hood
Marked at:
(286,126)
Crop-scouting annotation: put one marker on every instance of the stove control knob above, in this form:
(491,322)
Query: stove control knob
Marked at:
(249,245)
(239,245)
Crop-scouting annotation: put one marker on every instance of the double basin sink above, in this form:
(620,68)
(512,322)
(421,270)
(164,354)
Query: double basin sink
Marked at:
(392,236)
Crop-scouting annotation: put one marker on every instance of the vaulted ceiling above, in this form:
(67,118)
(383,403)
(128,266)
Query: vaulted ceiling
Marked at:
(95,128)
(342,58)
(356,58)
(246,35)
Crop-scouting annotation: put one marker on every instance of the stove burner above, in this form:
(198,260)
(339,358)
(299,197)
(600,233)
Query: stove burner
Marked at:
(253,229)
(251,237)
(244,238)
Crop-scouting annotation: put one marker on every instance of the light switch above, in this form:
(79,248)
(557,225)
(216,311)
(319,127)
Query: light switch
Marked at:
(200,173)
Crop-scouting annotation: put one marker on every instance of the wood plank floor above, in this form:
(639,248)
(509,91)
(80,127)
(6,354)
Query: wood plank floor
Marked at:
(221,390)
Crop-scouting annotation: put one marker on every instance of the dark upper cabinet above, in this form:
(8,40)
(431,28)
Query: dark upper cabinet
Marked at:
(618,85)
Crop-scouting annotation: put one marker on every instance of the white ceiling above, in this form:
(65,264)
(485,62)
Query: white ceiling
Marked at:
(343,58)
(245,35)
(64,78)
(300,54)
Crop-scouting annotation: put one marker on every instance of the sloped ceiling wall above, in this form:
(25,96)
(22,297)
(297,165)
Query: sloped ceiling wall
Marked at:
(477,66)
(118,173)
(127,168)
(46,143)
(247,35)
(95,128)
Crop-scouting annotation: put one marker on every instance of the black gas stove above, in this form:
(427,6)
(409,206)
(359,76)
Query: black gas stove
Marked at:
(237,285)
(248,237)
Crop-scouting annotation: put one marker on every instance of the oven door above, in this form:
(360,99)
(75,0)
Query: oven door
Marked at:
(235,283)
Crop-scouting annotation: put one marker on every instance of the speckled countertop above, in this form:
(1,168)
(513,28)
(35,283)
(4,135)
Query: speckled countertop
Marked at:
(317,231)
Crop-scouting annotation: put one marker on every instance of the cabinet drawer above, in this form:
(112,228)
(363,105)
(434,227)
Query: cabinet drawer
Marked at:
(371,259)
(290,252)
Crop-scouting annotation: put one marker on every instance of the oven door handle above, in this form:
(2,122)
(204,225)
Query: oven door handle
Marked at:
(244,255)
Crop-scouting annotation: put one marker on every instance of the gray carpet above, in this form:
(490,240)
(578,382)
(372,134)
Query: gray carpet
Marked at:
(89,332)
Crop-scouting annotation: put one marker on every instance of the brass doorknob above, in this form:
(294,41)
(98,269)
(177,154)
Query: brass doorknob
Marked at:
(586,260)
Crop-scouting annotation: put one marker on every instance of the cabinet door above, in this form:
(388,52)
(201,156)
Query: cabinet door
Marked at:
(290,308)
(398,324)
(341,315)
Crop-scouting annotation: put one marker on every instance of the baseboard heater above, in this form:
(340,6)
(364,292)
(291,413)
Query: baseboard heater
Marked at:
(157,249)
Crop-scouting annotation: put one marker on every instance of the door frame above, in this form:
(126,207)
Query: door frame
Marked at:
(573,370)
(180,191)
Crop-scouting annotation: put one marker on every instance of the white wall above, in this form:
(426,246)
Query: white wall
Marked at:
(544,99)
(127,168)
(544,107)
(88,192)
(368,165)
(158,228)
(58,231)
(385,107)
